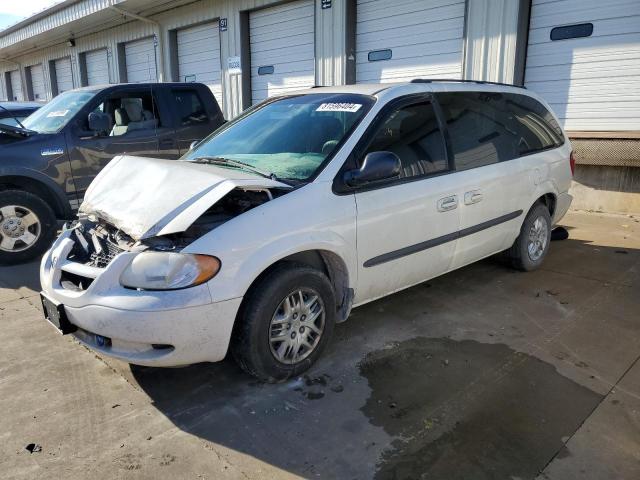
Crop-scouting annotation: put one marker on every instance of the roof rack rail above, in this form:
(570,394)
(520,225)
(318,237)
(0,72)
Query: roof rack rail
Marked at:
(457,80)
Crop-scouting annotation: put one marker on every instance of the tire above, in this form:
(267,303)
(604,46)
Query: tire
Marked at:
(251,345)
(25,215)
(520,255)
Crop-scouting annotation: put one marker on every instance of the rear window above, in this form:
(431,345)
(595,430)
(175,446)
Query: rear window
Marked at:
(191,110)
(491,127)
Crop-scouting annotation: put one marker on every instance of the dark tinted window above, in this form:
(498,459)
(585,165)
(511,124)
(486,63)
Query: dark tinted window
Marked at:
(378,55)
(572,31)
(487,127)
(413,134)
(191,110)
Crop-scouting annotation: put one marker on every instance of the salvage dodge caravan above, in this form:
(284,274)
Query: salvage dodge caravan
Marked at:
(270,230)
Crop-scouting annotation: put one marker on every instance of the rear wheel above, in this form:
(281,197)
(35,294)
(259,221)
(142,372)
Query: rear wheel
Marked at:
(531,246)
(285,323)
(27,226)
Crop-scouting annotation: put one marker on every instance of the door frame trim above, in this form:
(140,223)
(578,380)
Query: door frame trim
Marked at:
(434,242)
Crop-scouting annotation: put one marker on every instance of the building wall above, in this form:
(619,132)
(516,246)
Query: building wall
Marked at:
(330,42)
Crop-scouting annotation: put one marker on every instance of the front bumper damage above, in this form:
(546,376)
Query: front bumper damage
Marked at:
(153,328)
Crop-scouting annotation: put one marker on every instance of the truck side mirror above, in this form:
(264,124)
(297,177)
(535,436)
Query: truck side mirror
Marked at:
(194,144)
(99,123)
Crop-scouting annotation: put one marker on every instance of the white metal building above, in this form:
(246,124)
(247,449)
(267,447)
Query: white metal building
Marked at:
(583,56)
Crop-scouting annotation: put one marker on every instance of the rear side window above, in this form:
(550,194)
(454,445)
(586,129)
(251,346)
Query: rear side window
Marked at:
(190,108)
(490,127)
(413,134)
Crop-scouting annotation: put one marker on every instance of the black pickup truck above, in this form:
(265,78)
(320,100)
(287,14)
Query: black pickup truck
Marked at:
(47,163)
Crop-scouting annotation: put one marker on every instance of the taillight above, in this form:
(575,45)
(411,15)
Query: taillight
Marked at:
(572,163)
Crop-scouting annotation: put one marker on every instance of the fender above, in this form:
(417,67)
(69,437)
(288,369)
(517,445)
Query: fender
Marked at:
(240,271)
(59,196)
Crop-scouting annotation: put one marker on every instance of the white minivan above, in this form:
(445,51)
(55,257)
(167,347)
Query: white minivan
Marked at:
(269,231)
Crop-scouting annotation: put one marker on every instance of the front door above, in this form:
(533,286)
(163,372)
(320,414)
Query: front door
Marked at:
(406,228)
(135,131)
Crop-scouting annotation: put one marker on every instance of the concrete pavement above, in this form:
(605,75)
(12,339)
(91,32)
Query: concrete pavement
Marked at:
(482,373)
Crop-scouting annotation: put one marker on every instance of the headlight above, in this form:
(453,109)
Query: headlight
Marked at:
(168,271)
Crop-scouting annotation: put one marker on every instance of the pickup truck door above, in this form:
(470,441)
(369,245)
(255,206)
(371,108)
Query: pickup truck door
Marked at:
(135,133)
(406,227)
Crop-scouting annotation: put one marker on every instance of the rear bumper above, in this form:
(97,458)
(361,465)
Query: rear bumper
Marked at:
(563,202)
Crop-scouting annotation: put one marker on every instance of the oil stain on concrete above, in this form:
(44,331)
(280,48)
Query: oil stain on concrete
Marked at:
(463,409)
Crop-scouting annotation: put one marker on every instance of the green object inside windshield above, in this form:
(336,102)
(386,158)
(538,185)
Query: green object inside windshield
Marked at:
(290,137)
(53,116)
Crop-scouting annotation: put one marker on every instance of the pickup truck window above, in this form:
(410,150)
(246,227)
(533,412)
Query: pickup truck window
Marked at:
(129,111)
(191,109)
(53,116)
(291,137)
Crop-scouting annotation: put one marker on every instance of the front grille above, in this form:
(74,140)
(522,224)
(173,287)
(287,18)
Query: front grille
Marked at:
(108,253)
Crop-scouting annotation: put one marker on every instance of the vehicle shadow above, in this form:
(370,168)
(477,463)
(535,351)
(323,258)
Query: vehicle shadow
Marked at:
(24,277)
(375,387)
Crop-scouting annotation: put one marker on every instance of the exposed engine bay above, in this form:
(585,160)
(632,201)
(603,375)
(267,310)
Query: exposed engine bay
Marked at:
(97,242)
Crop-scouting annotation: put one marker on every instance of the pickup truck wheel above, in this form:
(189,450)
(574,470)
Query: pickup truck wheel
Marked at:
(27,226)
(285,323)
(532,245)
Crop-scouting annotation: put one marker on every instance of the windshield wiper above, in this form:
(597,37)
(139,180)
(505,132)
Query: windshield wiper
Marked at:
(15,118)
(237,164)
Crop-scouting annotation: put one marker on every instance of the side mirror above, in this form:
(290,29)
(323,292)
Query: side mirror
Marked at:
(194,144)
(376,166)
(99,123)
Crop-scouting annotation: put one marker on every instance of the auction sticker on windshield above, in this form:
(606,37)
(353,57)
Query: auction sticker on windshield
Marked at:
(58,113)
(339,107)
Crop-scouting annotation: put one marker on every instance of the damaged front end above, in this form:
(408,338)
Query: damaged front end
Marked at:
(141,205)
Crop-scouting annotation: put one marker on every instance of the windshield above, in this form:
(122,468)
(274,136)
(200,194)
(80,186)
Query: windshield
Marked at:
(52,117)
(290,137)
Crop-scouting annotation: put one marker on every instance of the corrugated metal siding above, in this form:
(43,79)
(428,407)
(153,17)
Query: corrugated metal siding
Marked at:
(37,82)
(282,38)
(591,83)
(425,39)
(490,44)
(329,33)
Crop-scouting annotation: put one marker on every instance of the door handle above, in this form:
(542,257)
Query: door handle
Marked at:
(447,203)
(474,196)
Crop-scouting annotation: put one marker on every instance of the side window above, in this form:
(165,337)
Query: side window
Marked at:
(479,128)
(537,129)
(130,112)
(412,133)
(190,108)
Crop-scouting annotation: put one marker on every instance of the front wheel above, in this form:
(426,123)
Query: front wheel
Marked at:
(27,226)
(532,245)
(285,323)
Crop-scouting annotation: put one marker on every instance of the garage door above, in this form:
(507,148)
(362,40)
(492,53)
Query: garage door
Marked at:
(64,75)
(199,56)
(97,65)
(282,49)
(401,40)
(583,57)
(16,86)
(37,82)
(140,57)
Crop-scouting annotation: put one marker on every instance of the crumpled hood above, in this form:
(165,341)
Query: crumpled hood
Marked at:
(146,197)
